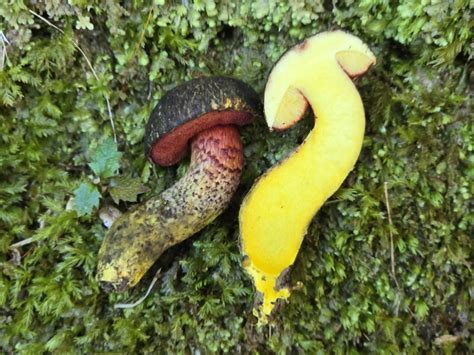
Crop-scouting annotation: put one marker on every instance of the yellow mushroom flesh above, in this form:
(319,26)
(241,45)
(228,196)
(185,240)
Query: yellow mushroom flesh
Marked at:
(276,213)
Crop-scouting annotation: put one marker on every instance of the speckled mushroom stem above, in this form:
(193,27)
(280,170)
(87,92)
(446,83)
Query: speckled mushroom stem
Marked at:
(177,213)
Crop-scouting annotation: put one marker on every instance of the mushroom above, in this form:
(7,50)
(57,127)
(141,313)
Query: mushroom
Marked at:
(204,114)
(276,213)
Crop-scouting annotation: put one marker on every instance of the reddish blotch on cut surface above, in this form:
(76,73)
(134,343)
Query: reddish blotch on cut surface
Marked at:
(294,119)
(172,147)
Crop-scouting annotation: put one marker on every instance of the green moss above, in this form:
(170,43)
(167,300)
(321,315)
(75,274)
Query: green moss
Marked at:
(419,141)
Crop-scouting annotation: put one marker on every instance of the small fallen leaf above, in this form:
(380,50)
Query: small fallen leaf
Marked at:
(86,198)
(126,189)
(105,160)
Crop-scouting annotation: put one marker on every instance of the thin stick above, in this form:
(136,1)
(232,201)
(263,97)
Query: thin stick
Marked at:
(4,38)
(4,56)
(111,117)
(140,300)
(392,252)
(142,34)
(21,243)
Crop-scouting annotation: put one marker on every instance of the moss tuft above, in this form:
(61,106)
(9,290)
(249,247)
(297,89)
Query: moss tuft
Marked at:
(419,141)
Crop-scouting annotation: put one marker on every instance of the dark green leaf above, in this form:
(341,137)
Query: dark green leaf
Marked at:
(126,189)
(105,160)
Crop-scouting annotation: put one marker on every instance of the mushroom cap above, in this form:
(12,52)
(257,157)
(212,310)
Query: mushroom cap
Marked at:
(193,107)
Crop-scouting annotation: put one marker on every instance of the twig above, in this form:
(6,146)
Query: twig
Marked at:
(16,257)
(142,34)
(392,252)
(140,300)
(4,38)
(4,55)
(89,64)
(150,90)
(21,243)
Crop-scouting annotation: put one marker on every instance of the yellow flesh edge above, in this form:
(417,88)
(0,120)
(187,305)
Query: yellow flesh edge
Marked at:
(276,213)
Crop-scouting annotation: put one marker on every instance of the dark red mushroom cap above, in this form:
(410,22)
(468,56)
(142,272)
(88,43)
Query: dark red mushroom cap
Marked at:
(193,107)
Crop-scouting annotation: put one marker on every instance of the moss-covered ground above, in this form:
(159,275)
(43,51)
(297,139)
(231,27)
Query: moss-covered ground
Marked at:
(60,166)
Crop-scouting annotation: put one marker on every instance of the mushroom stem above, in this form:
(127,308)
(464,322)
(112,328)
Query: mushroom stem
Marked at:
(177,213)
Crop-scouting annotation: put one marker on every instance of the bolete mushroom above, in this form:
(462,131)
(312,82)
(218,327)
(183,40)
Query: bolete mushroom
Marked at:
(276,213)
(203,113)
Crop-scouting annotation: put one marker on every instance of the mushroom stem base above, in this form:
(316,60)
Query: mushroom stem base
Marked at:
(140,236)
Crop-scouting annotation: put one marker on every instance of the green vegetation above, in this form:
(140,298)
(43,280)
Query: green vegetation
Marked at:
(60,165)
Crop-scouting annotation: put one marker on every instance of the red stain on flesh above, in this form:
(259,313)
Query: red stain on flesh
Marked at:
(172,147)
(302,46)
(295,119)
(356,74)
